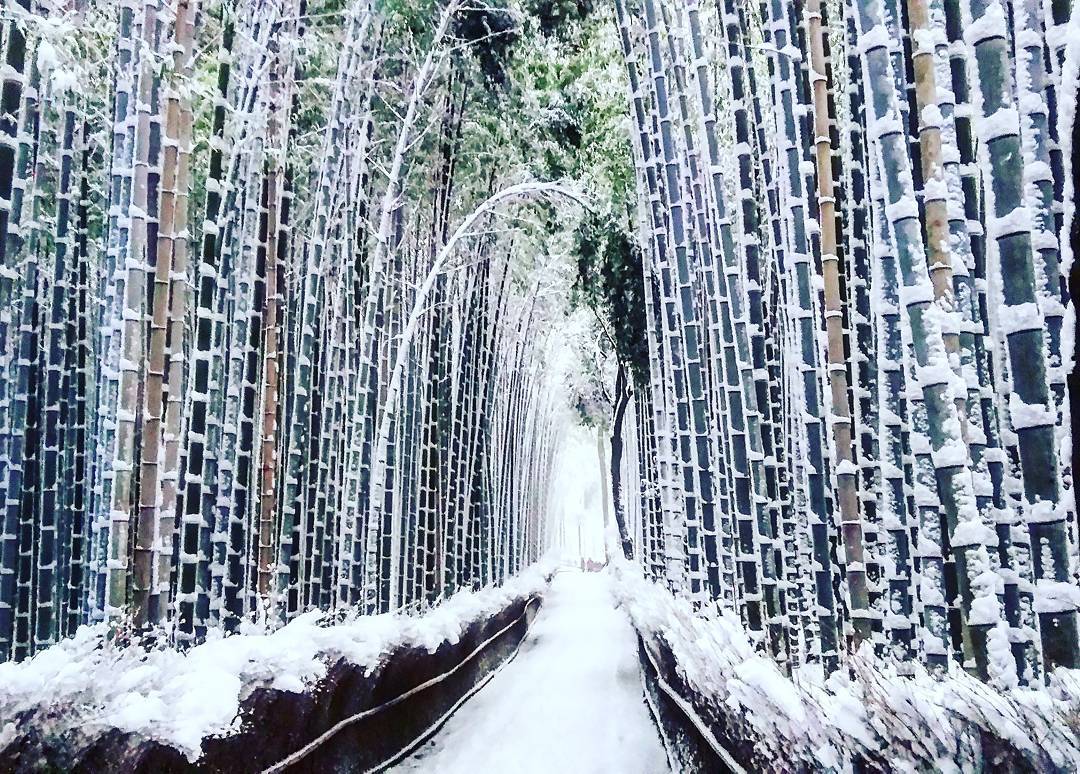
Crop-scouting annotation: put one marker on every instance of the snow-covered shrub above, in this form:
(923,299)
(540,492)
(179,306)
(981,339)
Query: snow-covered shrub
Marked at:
(180,697)
(871,714)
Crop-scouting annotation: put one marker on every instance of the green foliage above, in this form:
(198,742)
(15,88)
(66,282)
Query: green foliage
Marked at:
(413,18)
(491,34)
(610,281)
(556,16)
(578,127)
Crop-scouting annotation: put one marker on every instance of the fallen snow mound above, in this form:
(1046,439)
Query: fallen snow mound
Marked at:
(180,697)
(914,723)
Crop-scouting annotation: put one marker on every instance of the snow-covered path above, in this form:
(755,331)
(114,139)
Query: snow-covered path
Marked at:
(570,702)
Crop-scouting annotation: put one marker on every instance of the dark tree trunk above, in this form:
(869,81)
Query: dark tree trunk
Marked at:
(622,400)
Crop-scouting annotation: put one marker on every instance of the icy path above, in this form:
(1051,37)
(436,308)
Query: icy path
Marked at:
(570,702)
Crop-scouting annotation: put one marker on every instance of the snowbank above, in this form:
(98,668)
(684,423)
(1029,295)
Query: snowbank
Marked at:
(879,717)
(180,697)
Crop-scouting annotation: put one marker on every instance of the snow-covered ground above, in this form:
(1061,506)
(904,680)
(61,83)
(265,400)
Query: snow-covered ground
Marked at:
(571,701)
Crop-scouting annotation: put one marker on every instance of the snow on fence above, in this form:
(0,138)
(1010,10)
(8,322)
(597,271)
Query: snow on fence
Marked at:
(870,714)
(86,685)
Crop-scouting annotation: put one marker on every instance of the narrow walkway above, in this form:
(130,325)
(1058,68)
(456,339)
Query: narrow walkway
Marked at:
(570,702)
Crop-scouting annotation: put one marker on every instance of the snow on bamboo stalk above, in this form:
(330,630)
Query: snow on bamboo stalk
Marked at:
(54,188)
(275,251)
(1031,405)
(20,107)
(376,279)
(654,234)
(1036,142)
(778,397)
(200,428)
(234,372)
(846,471)
(37,526)
(1055,21)
(120,188)
(892,413)
(800,285)
(15,159)
(682,448)
(969,536)
(698,486)
(757,183)
(917,564)
(717,344)
(1033,86)
(930,567)
(521,191)
(132,286)
(159,438)
(78,387)
(717,350)
(858,235)
(746,423)
(301,381)
(968,262)
(943,265)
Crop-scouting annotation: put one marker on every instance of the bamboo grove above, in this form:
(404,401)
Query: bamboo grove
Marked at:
(274,314)
(854,428)
(266,343)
